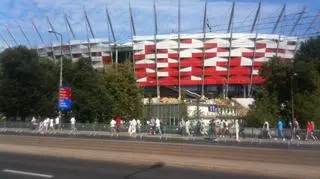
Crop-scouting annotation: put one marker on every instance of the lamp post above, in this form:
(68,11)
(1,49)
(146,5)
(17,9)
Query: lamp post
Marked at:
(292,96)
(61,61)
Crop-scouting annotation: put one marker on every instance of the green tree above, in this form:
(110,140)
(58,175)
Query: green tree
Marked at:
(26,87)
(124,92)
(265,108)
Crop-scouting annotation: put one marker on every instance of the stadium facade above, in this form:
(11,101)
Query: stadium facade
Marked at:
(205,64)
(214,62)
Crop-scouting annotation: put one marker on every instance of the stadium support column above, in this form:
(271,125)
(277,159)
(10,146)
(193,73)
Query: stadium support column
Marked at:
(298,20)
(11,35)
(113,36)
(279,19)
(275,27)
(316,18)
(88,25)
(69,41)
(69,26)
(256,20)
(88,42)
(179,41)
(252,65)
(5,41)
(155,46)
(204,31)
(230,30)
(52,28)
(24,35)
(37,31)
(133,33)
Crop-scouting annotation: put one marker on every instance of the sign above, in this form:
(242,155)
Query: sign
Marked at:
(212,108)
(64,98)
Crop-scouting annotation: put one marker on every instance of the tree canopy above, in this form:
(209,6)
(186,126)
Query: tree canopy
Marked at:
(302,76)
(29,87)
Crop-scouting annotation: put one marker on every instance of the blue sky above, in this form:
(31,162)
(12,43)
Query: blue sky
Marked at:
(22,11)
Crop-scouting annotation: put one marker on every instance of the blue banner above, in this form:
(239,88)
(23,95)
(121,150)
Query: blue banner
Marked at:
(65,104)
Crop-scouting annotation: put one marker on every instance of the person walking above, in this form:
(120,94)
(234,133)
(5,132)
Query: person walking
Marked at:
(180,126)
(73,125)
(33,123)
(266,130)
(118,124)
(130,128)
(188,127)
(158,126)
(133,127)
(280,130)
(46,124)
(52,125)
(57,120)
(138,126)
(237,130)
(113,127)
(310,129)
(296,129)
(242,127)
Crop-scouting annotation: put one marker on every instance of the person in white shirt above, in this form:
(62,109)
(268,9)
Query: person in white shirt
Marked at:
(237,130)
(133,127)
(266,129)
(158,127)
(41,127)
(113,127)
(130,128)
(33,123)
(73,124)
(188,127)
(46,124)
(57,120)
(51,125)
(138,126)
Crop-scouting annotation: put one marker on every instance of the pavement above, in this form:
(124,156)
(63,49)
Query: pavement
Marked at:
(18,166)
(173,138)
(68,158)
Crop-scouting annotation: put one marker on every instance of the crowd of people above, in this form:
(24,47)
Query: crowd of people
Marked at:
(51,125)
(217,128)
(293,131)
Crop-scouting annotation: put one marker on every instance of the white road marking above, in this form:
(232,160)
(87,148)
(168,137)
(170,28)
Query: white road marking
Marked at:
(27,173)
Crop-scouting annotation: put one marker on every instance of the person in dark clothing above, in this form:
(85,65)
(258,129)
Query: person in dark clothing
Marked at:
(241,128)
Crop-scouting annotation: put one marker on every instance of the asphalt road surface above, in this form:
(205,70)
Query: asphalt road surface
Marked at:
(94,158)
(17,166)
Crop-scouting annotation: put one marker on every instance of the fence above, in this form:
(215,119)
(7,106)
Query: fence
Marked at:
(172,131)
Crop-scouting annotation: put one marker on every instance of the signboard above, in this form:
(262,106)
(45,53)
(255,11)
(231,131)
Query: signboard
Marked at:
(212,108)
(64,98)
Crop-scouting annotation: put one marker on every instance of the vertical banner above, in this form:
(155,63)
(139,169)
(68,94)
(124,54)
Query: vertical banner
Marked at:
(64,98)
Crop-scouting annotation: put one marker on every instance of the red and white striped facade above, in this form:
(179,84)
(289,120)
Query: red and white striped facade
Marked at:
(246,52)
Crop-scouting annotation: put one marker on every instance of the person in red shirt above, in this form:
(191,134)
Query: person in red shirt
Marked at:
(118,123)
(310,129)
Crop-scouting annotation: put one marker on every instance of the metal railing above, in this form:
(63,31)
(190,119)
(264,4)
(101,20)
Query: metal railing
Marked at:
(249,135)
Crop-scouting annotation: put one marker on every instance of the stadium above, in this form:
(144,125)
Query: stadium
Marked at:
(201,65)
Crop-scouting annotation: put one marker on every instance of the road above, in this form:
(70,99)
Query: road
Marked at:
(53,167)
(181,160)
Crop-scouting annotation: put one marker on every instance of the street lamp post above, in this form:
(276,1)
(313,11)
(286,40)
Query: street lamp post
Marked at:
(292,96)
(61,61)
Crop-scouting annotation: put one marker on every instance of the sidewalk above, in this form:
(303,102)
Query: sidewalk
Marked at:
(163,138)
